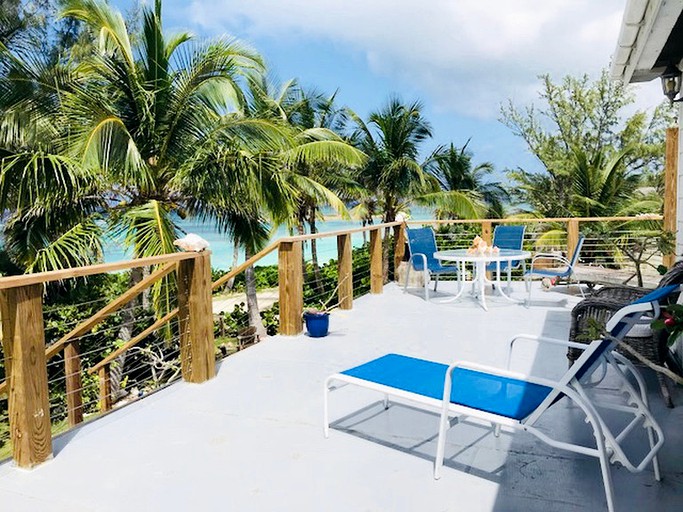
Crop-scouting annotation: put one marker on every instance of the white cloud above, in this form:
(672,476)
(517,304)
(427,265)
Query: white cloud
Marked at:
(466,55)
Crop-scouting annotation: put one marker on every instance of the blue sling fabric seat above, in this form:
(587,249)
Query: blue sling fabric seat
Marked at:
(422,246)
(564,270)
(507,237)
(514,400)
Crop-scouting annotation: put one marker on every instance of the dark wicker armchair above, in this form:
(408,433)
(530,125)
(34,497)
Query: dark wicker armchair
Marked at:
(600,307)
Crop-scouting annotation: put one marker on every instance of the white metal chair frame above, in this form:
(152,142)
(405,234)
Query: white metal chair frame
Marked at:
(562,261)
(426,272)
(607,449)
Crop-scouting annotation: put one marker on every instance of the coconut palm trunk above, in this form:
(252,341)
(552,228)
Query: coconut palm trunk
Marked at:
(125,334)
(301,230)
(252,299)
(235,258)
(314,251)
(385,255)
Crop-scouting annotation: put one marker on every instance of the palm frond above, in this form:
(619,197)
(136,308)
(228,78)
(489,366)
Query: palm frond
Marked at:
(325,152)
(553,238)
(454,203)
(105,21)
(79,246)
(147,229)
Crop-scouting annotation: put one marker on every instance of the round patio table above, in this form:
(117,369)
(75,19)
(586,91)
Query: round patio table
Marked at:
(479,262)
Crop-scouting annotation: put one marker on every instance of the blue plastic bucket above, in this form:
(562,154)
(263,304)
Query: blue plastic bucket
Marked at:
(317,324)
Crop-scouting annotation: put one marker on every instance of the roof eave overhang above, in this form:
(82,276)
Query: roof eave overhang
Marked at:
(645,29)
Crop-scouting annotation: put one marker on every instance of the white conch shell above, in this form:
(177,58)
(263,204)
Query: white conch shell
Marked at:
(191,242)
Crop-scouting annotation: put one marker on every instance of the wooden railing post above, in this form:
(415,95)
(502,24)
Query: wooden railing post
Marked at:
(105,388)
(572,236)
(376,278)
(670,188)
(195,319)
(400,246)
(291,287)
(74,383)
(486,231)
(24,345)
(345,271)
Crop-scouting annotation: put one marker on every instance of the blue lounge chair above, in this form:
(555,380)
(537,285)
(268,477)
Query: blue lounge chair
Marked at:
(514,400)
(564,270)
(422,244)
(507,237)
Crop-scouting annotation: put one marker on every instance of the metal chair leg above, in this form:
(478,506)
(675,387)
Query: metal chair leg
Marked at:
(426,283)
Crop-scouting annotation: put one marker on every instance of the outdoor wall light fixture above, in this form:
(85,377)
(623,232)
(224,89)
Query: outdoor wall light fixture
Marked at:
(671,83)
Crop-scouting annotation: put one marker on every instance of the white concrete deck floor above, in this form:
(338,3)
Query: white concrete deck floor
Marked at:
(251,439)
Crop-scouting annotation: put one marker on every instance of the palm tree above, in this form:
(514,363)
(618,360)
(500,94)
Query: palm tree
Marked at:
(391,139)
(600,185)
(49,200)
(312,113)
(316,166)
(462,185)
(155,117)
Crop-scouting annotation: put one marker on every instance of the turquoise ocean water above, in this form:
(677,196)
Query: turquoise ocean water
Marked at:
(221,245)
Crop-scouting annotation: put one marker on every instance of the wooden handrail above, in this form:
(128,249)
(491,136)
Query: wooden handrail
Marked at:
(102,268)
(134,341)
(264,252)
(89,323)
(535,220)
(341,232)
(115,305)
(239,268)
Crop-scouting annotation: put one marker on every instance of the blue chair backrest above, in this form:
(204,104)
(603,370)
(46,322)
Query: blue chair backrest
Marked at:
(422,241)
(621,329)
(509,237)
(577,250)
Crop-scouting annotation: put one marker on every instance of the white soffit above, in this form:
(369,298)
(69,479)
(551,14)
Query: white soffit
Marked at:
(645,29)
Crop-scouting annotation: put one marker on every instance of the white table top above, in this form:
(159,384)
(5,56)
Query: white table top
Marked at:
(463,255)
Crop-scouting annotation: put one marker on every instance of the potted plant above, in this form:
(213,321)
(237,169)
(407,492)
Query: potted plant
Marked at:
(318,319)
(317,322)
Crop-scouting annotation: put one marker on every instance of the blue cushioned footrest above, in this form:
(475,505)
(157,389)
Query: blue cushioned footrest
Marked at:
(503,396)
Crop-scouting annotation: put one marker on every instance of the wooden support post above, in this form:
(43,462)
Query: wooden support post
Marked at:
(105,388)
(572,236)
(195,319)
(400,247)
(376,278)
(486,231)
(291,282)
(24,345)
(345,271)
(74,384)
(670,188)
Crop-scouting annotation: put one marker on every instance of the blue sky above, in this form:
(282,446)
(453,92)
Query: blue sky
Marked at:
(461,58)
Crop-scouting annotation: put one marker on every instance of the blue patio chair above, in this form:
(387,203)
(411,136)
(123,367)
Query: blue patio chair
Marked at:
(422,245)
(507,237)
(564,270)
(514,400)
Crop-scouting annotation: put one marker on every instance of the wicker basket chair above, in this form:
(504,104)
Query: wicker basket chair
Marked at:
(600,306)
